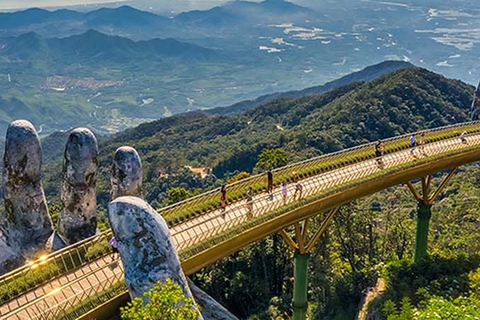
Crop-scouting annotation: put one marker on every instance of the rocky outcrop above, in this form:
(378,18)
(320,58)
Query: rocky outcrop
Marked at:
(209,307)
(78,219)
(145,246)
(126,177)
(27,222)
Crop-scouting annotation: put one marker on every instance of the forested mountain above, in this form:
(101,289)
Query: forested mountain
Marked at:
(98,49)
(403,101)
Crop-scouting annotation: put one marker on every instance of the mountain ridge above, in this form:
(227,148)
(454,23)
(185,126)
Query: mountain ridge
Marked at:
(364,75)
(237,11)
(94,44)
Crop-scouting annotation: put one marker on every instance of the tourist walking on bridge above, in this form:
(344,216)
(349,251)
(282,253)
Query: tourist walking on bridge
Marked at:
(379,153)
(270,184)
(412,144)
(298,190)
(114,244)
(463,137)
(284,192)
(223,199)
(250,202)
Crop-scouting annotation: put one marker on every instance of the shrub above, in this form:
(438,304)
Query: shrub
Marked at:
(166,302)
(97,250)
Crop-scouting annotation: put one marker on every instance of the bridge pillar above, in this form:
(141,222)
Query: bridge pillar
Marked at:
(300,286)
(302,249)
(424,212)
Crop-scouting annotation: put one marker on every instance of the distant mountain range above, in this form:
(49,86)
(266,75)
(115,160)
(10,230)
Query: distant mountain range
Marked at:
(244,12)
(97,47)
(138,24)
(67,20)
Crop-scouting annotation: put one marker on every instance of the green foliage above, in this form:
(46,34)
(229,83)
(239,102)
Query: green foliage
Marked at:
(438,275)
(270,159)
(474,278)
(177,194)
(166,302)
(98,249)
(390,309)
(33,277)
(54,210)
(239,176)
(406,310)
(434,308)
(458,309)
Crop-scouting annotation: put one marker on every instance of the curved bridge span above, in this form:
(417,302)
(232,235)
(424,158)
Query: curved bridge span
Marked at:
(84,276)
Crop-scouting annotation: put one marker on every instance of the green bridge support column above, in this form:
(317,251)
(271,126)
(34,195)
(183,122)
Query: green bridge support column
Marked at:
(302,249)
(300,286)
(424,213)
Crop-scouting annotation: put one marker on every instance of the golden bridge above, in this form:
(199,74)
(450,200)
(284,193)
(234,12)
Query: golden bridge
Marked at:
(83,281)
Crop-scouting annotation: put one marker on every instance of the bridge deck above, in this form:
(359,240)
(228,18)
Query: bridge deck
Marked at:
(67,291)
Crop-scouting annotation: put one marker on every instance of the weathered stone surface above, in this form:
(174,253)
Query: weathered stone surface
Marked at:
(10,258)
(145,246)
(78,218)
(475,109)
(27,222)
(210,308)
(126,177)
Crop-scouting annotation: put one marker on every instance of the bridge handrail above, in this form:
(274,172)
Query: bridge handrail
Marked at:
(32,275)
(211,199)
(370,170)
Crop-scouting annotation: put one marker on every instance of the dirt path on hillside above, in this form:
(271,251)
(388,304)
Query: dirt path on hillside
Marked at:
(371,294)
